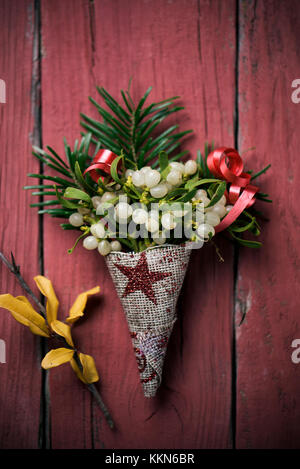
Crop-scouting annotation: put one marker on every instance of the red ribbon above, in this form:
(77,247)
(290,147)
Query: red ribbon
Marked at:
(103,161)
(226,163)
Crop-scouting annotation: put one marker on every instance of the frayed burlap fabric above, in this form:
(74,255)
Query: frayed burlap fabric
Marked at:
(148,284)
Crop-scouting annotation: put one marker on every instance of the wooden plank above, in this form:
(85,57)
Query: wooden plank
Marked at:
(67,82)
(20,382)
(268,386)
(180,48)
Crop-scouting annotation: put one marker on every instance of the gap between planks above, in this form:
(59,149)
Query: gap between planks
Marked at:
(44,436)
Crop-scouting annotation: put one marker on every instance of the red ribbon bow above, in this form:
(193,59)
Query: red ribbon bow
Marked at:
(103,161)
(226,163)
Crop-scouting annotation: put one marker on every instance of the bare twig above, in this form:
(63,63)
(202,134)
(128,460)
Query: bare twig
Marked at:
(15,269)
(218,252)
(93,390)
(98,399)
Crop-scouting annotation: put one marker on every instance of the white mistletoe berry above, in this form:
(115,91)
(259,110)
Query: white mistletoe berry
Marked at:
(152,178)
(159,191)
(76,219)
(205,231)
(190,167)
(174,177)
(116,245)
(104,247)
(138,178)
(98,230)
(90,242)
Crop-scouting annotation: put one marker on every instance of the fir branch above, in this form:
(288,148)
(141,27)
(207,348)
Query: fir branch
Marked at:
(264,170)
(131,127)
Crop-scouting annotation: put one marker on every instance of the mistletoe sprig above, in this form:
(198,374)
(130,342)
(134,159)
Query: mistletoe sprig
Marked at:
(44,323)
(146,170)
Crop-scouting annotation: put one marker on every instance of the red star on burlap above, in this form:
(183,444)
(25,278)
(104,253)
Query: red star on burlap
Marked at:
(140,278)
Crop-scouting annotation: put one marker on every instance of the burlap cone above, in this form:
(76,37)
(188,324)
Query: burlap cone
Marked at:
(148,284)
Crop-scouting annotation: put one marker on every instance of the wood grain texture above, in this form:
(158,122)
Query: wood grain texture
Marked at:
(268,382)
(191,48)
(20,376)
(67,82)
(168,45)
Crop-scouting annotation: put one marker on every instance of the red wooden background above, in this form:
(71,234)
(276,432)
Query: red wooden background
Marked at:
(225,385)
